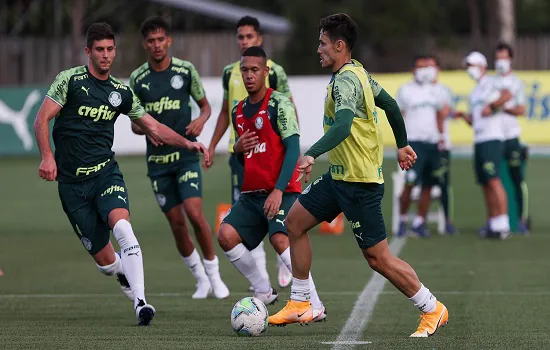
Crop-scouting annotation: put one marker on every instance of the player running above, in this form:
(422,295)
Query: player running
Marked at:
(268,146)
(86,102)
(248,34)
(165,85)
(354,183)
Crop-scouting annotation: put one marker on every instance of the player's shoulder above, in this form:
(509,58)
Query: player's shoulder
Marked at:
(278,97)
(275,67)
(139,71)
(227,69)
(178,62)
(347,77)
(71,72)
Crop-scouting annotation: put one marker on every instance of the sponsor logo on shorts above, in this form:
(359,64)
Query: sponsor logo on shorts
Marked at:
(188,176)
(114,188)
(194,185)
(88,170)
(354,225)
(161,199)
(164,159)
(282,222)
(86,243)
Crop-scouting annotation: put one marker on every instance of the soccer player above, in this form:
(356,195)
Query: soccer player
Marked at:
(86,102)
(248,35)
(165,85)
(423,113)
(354,183)
(509,113)
(268,146)
(443,174)
(485,100)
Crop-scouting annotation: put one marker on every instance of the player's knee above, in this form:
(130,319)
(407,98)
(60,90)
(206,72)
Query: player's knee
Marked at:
(377,262)
(293,226)
(280,242)
(228,238)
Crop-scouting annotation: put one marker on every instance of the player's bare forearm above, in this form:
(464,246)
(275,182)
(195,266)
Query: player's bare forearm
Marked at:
(221,125)
(47,112)
(136,129)
(205,108)
(441,115)
(505,96)
(518,111)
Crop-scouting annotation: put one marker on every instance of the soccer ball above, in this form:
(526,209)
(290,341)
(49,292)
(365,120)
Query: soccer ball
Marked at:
(249,317)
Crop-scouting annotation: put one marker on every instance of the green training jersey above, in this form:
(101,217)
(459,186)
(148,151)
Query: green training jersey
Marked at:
(83,131)
(285,124)
(167,96)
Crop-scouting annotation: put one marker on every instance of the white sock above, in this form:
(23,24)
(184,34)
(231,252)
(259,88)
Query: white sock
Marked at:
(403,217)
(502,223)
(213,269)
(280,262)
(193,263)
(258,254)
(242,259)
(132,259)
(493,223)
(314,297)
(300,290)
(424,300)
(112,269)
(418,220)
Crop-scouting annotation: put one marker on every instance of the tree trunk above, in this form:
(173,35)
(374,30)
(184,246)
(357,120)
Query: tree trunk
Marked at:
(475,28)
(77,14)
(507,16)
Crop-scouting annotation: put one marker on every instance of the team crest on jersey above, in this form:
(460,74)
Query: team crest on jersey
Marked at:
(161,199)
(176,81)
(259,122)
(115,99)
(86,243)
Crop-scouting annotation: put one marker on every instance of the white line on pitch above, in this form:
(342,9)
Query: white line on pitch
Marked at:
(364,306)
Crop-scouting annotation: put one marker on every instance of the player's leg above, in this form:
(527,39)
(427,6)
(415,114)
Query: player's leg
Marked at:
(480,170)
(170,202)
(237,179)
(428,178)
(446,198)
(93,233)
(243,229)
(513,157)
(190,192)
(362,205)
(112,203)
(413,177)
(278,237)
(315,204)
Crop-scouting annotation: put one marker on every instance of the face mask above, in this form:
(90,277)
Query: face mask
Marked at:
(474,72)
(431,74)
(421,75)
(502,66)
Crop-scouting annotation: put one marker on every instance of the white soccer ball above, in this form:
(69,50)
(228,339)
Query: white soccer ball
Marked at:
(249,317)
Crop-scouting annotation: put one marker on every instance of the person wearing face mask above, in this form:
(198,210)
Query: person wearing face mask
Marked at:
(423,113)
(486,99)
(513,109)
(444,95)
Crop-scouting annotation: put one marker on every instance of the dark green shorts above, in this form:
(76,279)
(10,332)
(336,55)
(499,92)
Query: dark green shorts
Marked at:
(248,218)
(237,177)
(487,159)
(361,203)
(424,171)
(513,152)
(88,204)
(172,188)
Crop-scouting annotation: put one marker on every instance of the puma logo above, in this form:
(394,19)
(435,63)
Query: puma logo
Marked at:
(18,119)
(136,253)
(146,86)
(241,126)
(195,185)
(360,235)
(85,90)
(282,222)
(123,198)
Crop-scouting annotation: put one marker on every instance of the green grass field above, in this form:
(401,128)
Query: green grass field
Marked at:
(52,296)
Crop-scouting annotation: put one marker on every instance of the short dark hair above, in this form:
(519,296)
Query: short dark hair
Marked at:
(340,27)
(249,21)
(426,57)
(255,51)
(504,46)
(152,24)
(98,31)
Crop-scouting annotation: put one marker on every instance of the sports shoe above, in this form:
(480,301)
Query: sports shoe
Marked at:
(421,231)
(402,230)
(204,288)
(319,314)
(144,313)
(212,270)
(125,286)
(523,227)
(284,276)
(293,312)
(484,230)
(219,288)
(450,229)
(431,321)
(267,298)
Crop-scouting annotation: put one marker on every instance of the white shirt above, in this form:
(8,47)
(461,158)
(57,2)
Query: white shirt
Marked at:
(419,105)
(445,96)
(487,128)
(510,123)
